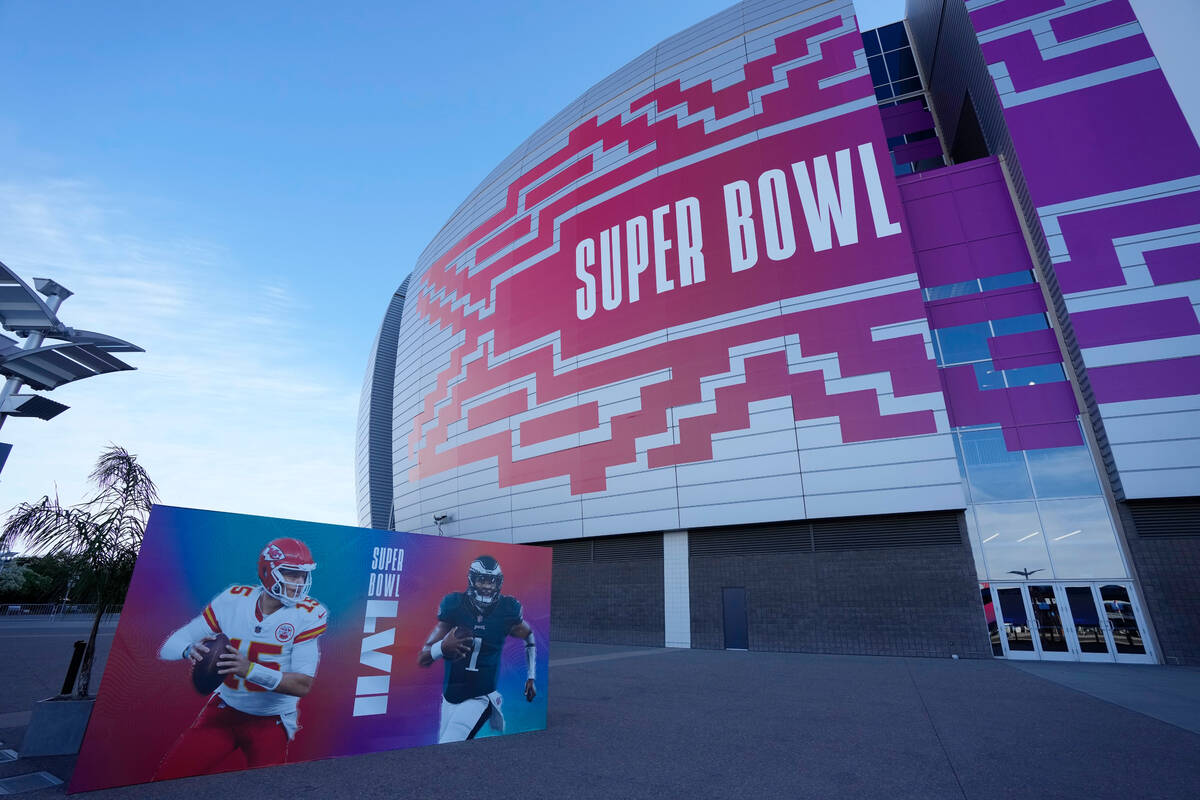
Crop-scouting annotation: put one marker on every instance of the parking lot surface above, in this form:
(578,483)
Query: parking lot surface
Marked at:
(660,723)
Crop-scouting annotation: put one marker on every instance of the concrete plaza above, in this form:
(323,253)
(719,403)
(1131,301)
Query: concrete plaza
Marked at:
(648,722)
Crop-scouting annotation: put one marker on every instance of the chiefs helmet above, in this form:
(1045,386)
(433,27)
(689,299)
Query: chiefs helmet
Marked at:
(486,570)
(286,554)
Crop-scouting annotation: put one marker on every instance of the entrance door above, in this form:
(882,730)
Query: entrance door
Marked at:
(1048,623)
(1071,622)
(1124,624)
(1088,627)
(1016,625)
(737,634)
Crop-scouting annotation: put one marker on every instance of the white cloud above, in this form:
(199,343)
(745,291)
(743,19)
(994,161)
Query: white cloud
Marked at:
(233,406)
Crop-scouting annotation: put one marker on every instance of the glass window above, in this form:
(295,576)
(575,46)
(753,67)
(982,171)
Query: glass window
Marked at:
(892,36)
(952,290)
(1006,280)
(976,548)
(989,615)
(901,65)
(1063,472)
(907,86)
(993,471)
(1081,538)
(964,343)
(1013,545)
(883,92)
(871,43)
(878,73)
(1021,324)
(1031,376)
(988,376)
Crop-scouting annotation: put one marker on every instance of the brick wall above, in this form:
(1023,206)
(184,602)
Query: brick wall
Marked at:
(1164,540)
(608,591)
(895,601)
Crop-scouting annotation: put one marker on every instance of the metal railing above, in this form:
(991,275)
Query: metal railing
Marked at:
(55,610)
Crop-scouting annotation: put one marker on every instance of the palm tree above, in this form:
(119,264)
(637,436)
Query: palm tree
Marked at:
(103,535)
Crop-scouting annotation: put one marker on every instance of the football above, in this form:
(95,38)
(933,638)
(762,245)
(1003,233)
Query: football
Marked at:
(463,633)
(204,672)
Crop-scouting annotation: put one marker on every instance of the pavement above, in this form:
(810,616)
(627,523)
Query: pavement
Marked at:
(632,722)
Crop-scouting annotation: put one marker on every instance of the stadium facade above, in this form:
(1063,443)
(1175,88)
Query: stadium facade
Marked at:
(787,336)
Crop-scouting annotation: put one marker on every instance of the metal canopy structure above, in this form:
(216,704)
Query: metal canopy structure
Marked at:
(77,354)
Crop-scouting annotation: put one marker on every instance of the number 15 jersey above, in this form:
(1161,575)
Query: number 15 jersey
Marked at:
(285,640)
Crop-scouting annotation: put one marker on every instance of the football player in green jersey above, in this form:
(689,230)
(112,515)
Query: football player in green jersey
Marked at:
(469,636)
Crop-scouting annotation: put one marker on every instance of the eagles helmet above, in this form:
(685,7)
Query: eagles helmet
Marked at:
(288,554)
(484,568)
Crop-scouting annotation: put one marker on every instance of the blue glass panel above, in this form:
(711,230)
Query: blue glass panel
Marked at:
(892,36)
(1031,376)
(1081,539)
(883,92)
(988,376)
(964,343)
(902,169)
(994,472)
(878,73)
(1012,541)
(901,65)
(1021,324)
(871,43)
(1009,279)
(951,290)
(1063,472)
(893,141)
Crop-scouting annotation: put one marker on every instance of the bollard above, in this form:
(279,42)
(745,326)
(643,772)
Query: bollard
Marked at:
(73,670)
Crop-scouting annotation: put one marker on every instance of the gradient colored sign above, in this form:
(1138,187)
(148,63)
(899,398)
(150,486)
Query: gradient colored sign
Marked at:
(378,596)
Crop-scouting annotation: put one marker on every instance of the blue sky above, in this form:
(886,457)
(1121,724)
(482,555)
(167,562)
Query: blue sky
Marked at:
(240,187)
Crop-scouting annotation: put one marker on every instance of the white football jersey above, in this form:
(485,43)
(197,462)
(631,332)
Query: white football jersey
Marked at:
(285,640)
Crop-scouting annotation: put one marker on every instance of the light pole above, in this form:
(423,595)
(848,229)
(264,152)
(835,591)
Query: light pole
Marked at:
(76,354)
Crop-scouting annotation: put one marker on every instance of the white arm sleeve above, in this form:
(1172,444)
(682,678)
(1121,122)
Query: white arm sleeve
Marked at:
(305,657)
(531,655)
(173,648)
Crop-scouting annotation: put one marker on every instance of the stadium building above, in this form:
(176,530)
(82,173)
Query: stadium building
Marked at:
(787,336)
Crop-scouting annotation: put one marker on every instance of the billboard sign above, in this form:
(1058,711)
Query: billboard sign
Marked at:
(250,641)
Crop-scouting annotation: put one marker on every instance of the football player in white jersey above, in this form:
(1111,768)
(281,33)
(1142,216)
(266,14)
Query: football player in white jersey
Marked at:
(269,665)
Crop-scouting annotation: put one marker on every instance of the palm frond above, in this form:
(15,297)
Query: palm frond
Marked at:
(46,526)
(125,485)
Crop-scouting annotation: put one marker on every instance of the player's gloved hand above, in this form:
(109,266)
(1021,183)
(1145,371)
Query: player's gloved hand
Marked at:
(197,651)
(232,662)
(530,691)
(456,644)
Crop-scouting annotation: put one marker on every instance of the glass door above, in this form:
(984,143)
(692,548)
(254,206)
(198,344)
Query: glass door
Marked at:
(1015,624)
(1124,624)
(1048,623)
(1087,624)
(1066,622)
